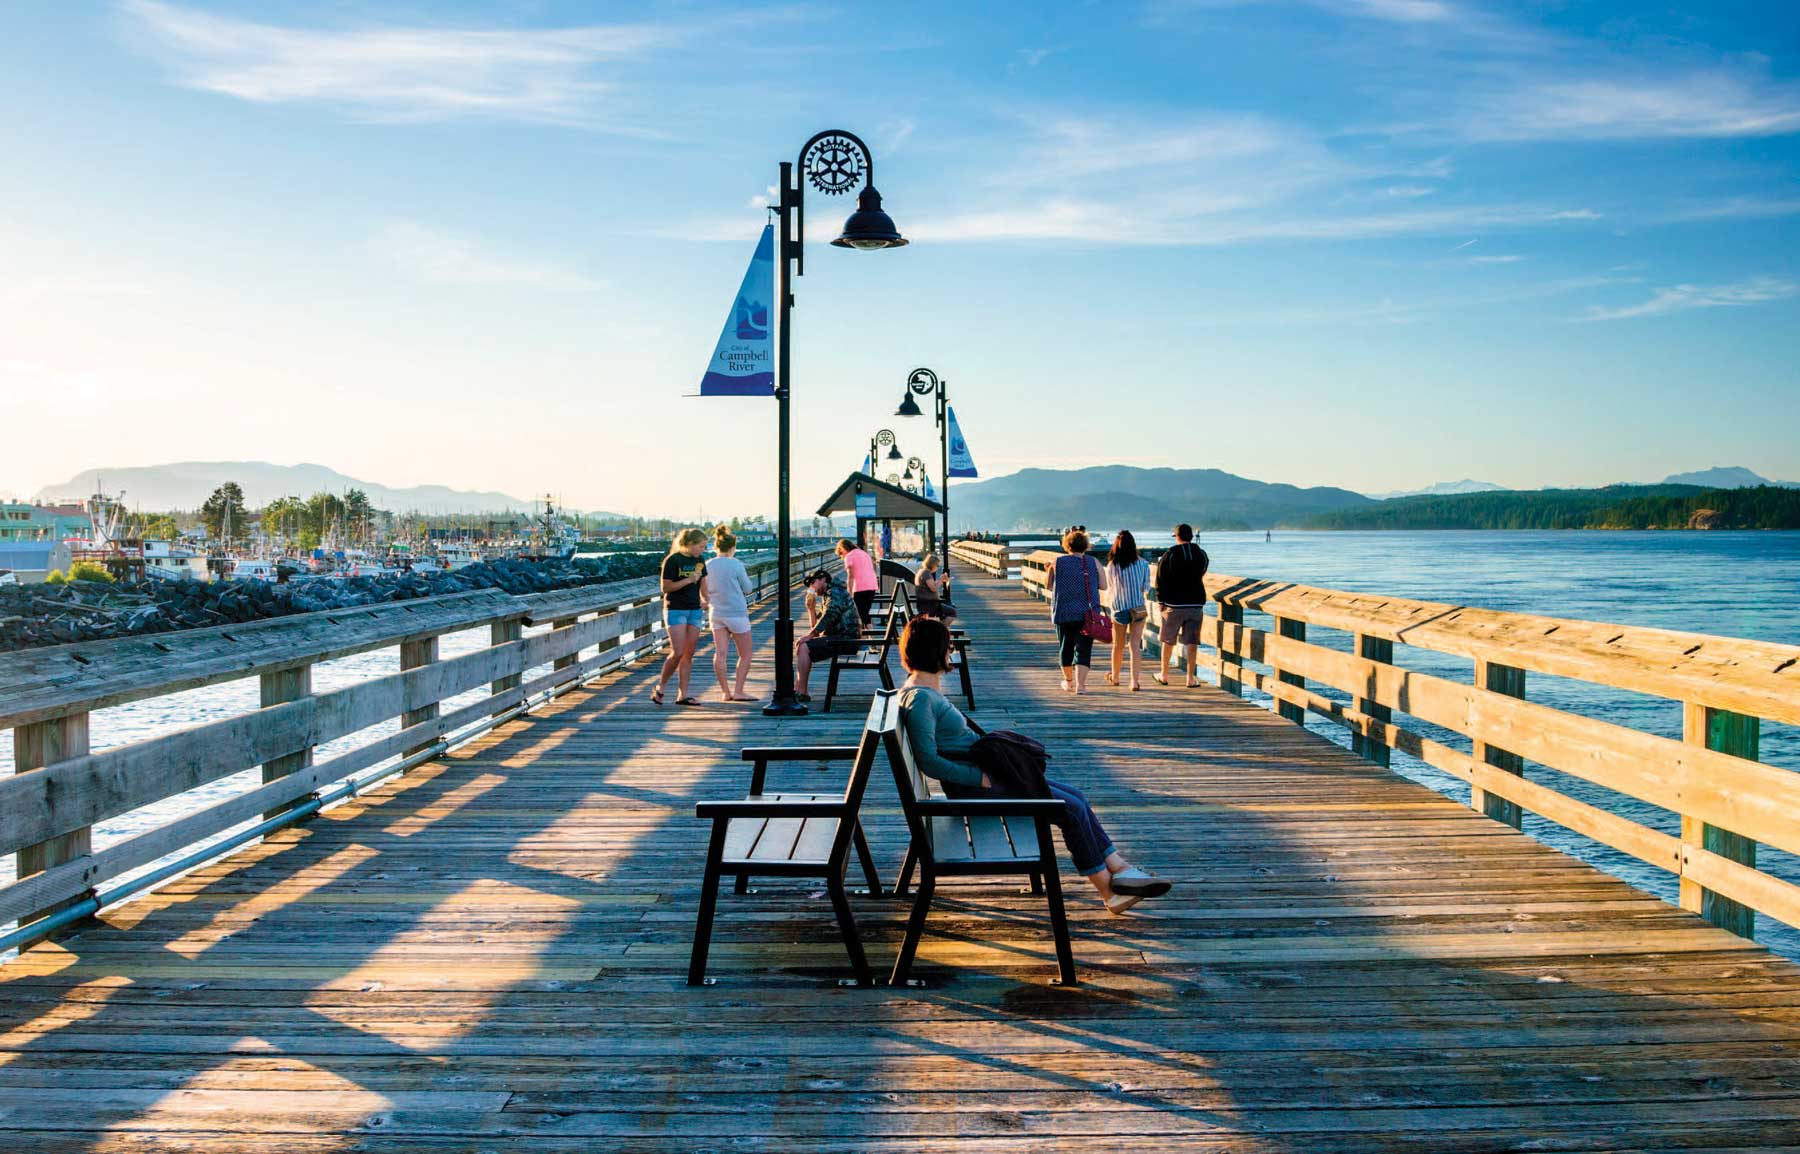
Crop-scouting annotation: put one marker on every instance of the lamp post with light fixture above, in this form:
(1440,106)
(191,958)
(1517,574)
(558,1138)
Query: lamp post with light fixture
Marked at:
(923,381)
(833,162)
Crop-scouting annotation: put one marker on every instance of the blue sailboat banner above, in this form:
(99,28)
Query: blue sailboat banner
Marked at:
(961,464)
(743,363)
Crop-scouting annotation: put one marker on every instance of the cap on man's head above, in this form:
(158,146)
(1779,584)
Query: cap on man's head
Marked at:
(818,575)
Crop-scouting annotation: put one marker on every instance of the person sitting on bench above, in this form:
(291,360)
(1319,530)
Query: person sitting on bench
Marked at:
(941,743)
(839,629)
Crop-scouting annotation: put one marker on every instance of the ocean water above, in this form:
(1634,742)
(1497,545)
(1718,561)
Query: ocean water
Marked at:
(1736,584)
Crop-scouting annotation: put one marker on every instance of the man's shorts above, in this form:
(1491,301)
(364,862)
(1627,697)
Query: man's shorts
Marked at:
(824,648)
(1182,621)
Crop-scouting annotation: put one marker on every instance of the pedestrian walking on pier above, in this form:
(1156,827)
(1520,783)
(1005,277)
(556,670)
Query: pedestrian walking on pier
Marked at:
(727,588)
(684,611)
(859,577)
(1127,580)
(1181,590)
(1074,584)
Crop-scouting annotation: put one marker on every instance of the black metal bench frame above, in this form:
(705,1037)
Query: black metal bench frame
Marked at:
(905,611)
(870,655)
(758,812)
(1021,825)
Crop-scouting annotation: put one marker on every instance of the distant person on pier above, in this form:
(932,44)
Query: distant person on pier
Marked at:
(1074,584)
(1127,580)
(728,588)
(684,611)
(943,746)
(839,630)
(934,590)
(859,577)
(1181,590)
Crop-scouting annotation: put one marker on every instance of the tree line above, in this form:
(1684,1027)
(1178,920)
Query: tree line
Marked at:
(1615,507)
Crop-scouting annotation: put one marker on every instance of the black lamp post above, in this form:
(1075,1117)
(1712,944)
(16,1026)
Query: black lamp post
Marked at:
(923,382)
(833,162)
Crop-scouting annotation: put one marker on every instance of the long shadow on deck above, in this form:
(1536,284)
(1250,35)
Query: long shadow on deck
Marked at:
(493,951)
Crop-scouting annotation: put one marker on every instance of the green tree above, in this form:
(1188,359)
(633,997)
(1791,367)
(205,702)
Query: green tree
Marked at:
(225,504)
(159,527)
(283,517)
(358,516)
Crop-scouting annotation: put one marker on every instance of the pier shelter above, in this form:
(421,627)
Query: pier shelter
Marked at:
(878,505)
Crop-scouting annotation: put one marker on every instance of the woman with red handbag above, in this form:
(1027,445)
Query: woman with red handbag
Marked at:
(1074,585)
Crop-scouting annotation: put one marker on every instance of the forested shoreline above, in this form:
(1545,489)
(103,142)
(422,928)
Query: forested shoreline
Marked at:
(1614,507)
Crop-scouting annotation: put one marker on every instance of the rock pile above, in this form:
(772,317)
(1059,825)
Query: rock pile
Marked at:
(33,615)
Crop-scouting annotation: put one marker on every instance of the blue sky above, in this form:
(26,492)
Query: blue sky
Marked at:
(1373,243)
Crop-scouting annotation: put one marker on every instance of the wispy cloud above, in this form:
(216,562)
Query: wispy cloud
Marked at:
(399,73)
(1396,11)
(1534,106)
(1683,297)
(433,257)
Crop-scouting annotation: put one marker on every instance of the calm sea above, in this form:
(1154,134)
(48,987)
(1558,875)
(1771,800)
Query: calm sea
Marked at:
(1734,584)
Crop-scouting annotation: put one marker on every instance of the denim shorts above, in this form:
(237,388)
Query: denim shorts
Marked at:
(1127,616)
(694,617)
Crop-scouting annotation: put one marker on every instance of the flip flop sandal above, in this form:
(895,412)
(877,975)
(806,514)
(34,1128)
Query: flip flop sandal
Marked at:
(1160,680)
(656,696)
(687,701)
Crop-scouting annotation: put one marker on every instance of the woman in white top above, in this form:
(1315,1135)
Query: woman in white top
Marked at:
(728,589)
(1127,579)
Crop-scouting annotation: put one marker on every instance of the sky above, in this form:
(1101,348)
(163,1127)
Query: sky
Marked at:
(1367,243)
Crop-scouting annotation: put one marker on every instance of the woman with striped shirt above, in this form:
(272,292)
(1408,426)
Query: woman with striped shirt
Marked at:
(1127,579)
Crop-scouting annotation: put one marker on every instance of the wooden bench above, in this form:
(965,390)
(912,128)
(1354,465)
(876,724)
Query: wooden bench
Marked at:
(797,836)
(905,611)
(870,656)
(962,837)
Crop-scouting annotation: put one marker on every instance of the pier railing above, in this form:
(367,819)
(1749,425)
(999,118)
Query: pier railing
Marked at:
(997,559)
(1727,801)
(59,789)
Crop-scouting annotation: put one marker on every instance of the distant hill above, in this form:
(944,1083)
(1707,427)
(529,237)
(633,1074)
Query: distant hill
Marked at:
(1726,477)
(1113,495)
(1442,489)
(187,484)
(1614,507)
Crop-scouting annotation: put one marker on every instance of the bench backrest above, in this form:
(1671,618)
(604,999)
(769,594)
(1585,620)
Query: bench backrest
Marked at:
(909,782)
(883,720)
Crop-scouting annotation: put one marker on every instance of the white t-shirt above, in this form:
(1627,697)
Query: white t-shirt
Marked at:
(728,588)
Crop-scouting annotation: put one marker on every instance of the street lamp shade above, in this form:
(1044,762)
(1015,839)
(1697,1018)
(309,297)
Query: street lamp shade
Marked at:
(909,407)
(869,227)
(894,454)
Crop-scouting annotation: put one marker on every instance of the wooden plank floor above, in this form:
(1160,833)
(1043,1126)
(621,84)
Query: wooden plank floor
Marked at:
(488,955)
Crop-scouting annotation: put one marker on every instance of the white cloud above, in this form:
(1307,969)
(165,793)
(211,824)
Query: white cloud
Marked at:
(431,257)
(397,73)
(1409,191)
(1683,297)
(1701,104)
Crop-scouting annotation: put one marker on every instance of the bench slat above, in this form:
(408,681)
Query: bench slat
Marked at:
(988,835)
(741,834)
(777,840)
(814,842)
(1023,832)
(950,839)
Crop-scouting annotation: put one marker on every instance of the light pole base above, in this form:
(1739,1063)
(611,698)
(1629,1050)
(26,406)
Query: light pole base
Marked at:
(784,702)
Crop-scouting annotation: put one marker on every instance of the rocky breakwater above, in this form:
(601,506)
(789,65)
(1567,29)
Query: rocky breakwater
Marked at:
(33,615)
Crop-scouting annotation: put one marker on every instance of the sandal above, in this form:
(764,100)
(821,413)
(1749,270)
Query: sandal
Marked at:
(687,701)
(1112,679)
(1160,680)
(656,696)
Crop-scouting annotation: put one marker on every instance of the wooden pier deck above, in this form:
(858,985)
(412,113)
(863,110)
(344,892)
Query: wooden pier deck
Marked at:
(488,954)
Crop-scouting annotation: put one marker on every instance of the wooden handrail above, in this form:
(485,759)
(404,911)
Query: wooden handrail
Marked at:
(1727,800)
(59,790)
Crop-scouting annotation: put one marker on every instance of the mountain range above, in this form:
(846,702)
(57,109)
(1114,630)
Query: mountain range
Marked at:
(187,484)
(1126,495)
(1726,477)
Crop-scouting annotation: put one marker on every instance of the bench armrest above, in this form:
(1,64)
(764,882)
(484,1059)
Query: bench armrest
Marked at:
(800,753)
(1048,807)
(764,807)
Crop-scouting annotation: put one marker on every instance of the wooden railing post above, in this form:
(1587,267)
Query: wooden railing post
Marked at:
(1231,667)
(413,654)
(1740,736)
(568,659)
(1497,678)
(504,633)
(35,746)
(1289,627)
(1374,749)
(282,686)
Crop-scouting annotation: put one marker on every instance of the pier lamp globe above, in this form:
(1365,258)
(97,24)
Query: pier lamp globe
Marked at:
(833,162)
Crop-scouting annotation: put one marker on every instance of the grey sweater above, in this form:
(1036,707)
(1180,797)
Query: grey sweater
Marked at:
(938,732)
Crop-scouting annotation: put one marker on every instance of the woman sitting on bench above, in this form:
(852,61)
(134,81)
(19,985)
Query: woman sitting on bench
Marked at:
(941,741)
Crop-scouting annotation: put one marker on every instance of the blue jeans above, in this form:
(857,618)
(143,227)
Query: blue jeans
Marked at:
(1082,833)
